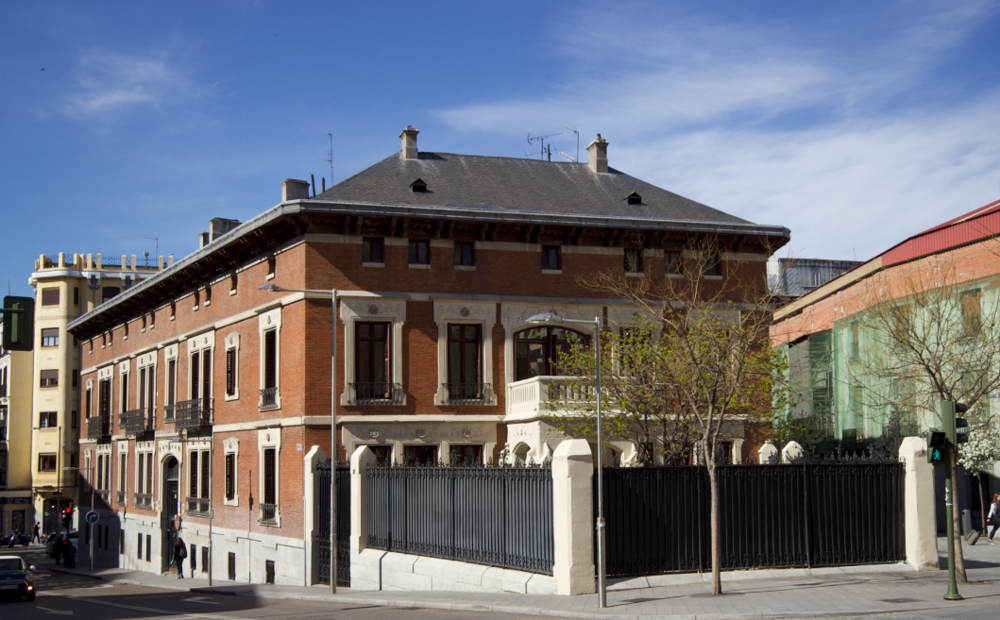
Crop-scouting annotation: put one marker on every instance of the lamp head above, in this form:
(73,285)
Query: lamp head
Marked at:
(544,318)
(271,288)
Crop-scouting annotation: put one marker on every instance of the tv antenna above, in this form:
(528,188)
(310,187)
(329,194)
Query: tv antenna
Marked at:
(157,241)
(544,150)
(329,154)
(577,146)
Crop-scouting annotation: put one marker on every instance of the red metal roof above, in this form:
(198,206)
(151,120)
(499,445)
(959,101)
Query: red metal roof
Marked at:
(979,224)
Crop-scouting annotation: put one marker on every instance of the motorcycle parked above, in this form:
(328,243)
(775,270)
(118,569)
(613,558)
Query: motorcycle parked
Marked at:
(16,538)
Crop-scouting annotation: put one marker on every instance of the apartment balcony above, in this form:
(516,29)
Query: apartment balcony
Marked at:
(198,506)
(194,413)
(540,396)
(144,500)
(268,399)
(99,427)
(468,393)
(376,394)
(137,421)
(121,498)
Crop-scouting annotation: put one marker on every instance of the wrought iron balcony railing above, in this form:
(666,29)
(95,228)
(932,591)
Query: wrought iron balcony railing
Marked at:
(469,393)
(193,413)
(144,500)
(98,427)
(197,506)
(376,394)
(269,399)
(136,421)
(268,514)
(121,498)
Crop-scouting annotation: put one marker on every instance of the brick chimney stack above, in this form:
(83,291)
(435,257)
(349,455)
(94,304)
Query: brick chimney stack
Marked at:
(597,155)
(409,138)
(292,189)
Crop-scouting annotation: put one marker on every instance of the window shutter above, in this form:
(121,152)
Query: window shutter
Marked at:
(193,472)
(141,478)
(388,360)
(269,476)
(205,468)
(194,376)
(142,388)
(230,463)
(230,367)
(149,473)
(100,472)
(171,382)
(270,363)
(206,377)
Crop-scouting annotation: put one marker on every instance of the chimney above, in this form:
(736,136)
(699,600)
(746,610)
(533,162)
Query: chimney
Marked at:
(409,137)
(597,155)
(219,226)
(292,189)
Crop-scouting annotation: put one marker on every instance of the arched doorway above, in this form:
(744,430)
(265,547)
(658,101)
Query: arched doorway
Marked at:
(171,508)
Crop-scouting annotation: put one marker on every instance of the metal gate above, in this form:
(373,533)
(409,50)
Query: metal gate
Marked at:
(322,545)
(770,516)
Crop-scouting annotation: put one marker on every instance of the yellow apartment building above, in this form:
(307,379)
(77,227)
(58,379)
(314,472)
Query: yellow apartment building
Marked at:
(16,510)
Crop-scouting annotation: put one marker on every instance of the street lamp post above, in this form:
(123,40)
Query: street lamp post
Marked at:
(211,504)
(90,542)
(274,288)
(549,318)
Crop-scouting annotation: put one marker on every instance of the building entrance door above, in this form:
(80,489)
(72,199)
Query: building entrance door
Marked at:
(171,508)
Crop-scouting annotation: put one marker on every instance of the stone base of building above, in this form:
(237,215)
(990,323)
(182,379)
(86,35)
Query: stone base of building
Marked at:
(372,569)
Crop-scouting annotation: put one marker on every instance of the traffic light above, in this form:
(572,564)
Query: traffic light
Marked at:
(937,448)
(18,323)
(67,518)
(961,424)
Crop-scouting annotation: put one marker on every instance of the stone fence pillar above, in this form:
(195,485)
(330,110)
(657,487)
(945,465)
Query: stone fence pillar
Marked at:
(767,454)
(791,452)
(312,460)
(918,505)
(573,518)
(360,460)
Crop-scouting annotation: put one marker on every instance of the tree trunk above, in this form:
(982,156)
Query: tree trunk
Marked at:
(713,486)
(956,515)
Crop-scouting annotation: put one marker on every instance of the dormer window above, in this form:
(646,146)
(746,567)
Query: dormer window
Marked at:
(418,186)
(633,199)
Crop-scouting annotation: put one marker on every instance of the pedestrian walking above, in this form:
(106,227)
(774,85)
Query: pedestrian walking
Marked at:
(180,552)
(994,516)
(35,533)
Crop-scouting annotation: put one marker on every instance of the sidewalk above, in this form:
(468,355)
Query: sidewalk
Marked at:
(794,593)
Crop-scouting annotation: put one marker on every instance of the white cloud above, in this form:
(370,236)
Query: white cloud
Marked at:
(109,82)
(828,133)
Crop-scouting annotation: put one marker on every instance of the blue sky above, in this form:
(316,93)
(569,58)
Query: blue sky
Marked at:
(854,124)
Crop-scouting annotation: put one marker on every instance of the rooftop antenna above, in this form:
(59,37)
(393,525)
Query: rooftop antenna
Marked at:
(541,139)
(567,157)
(577,145)
(157,241)
(329,155)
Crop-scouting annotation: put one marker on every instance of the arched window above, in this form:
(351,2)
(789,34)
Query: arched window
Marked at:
(536,350)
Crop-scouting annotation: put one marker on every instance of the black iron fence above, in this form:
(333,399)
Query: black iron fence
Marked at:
(497,516)
(770,516)
(99,427)
(193,413)
(469,393)
(136,421)
(376,393)
(268,399)
(343,525)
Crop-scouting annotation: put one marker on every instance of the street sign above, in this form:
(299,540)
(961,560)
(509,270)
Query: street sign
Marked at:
(93,517)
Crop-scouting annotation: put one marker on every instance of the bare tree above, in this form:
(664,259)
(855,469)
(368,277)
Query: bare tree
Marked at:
(704,361)
(917,340)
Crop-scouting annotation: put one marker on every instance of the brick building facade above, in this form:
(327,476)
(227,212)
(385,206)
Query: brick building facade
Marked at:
(437,260)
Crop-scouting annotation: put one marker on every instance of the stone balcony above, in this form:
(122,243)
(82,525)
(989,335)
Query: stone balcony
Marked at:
(535,397)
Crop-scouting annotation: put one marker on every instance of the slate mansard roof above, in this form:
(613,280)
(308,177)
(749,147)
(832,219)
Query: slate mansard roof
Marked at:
(507,185)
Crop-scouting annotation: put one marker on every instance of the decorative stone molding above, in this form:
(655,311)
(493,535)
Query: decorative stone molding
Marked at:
(201,342)
(106,373)
(170,352)
(465,313)
(398,435)
(354,309)
(146,359)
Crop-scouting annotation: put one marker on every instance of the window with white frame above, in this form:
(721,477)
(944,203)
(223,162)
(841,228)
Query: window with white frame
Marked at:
(232,366)
(269,334)
(373,351)
(231,449)
(123,373)
(465,345)
(122,473)
(144,469)
(269,449)
(170,380)
(199,481)
(200,368)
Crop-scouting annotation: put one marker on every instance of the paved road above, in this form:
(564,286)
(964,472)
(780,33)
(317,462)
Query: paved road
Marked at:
(74,597)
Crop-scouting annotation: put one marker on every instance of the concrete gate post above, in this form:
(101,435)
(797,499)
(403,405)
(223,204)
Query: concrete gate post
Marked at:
(573,518)
(918,504)
(360,460)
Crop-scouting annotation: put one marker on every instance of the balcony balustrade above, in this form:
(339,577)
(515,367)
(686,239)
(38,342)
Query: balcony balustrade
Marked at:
(269,399)
(198,506)
(469,393)
(99,427)
(376,394)
(268,514)
(137,421)
(536,396)
(104,497)
(144,500)
(121,498)
(194,413)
